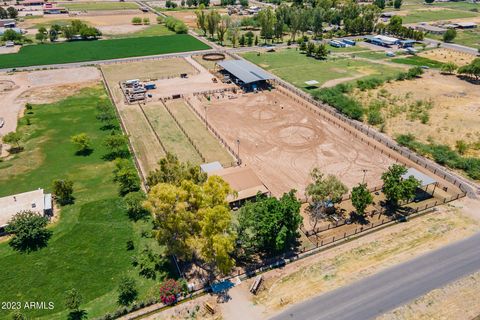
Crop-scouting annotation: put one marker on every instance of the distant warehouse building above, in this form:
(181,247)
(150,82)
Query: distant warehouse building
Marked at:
(36,201)
(381,40)
(32,2)
(245,74)
(430,29)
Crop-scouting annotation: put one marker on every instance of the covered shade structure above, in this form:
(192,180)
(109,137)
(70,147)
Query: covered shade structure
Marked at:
(245,74)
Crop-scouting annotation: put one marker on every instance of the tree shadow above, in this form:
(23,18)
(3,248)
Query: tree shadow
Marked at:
(15,150)
(123,154)
(30,245)
(84,153)
(77,315)
(109,126)
(358,218)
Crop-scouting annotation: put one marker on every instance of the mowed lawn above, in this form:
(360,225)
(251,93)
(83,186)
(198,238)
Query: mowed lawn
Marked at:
(469,38)
(80,51)
(210,147)
(97,6)
(297,68)
(170,134)
(88,248)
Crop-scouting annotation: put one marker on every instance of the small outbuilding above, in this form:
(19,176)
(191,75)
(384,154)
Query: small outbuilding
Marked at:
(211,166)
(425,182)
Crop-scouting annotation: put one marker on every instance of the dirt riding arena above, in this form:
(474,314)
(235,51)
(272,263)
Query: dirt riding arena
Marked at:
(39,87)
(283,141)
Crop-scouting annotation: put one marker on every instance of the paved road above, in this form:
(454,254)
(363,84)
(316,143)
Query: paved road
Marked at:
(384,291)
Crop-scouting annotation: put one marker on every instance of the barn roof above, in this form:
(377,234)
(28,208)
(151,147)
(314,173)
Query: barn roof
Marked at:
(245,71)
(423,178)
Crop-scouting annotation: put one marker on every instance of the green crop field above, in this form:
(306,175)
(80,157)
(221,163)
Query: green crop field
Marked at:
(170,134)
(418,61)
(88,248)
(415,16)
(97,6)
(297,68)
(210,147)
(47,54)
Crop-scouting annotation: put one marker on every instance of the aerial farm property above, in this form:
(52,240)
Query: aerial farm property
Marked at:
(200,159)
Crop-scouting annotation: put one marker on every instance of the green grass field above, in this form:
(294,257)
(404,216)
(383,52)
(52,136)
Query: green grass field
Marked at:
(460,5)
(98,6)
(305,68)
(210,147)
(88,248)
(170,134)
(418,61)
(469,38)
(79,51)
(415,16)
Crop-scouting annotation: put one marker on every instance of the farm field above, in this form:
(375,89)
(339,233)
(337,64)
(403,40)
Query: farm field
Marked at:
(87,250)
(418,61)
(448,104)
(334,70)
(147,148)
(469,38)
(99,50)
(100,5)
(209,146)
(282,141)
(444,55)
(434,14)
(170,134)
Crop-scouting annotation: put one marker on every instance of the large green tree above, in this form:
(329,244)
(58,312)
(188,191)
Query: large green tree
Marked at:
(82,143)
(395,187)
(29,230)
(269,225)
(323,192)
(361,198)
(172,171)
(194,217)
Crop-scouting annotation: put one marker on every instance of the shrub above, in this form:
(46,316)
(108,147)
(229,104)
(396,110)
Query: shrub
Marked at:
(169,289)
(136,20)
(334,97)
(176,25)
(367,84)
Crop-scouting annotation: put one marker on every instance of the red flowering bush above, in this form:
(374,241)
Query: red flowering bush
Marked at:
(169,290)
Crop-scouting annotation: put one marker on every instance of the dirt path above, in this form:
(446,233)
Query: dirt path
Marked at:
(240,306)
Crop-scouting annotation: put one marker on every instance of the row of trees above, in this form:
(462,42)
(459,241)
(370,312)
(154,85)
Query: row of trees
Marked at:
(395,27)
(325,191)
(317,51)
(76,29)
(9,13)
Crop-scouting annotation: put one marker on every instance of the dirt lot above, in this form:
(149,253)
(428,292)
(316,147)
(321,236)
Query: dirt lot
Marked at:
(458,300)
(145,70)
(452,105)
(39,87)
(189,17)
(282,141)
(447,55)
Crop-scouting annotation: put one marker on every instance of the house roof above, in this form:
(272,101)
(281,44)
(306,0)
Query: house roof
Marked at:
(423,178)
(243,180)
(245,71)
(11,205)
